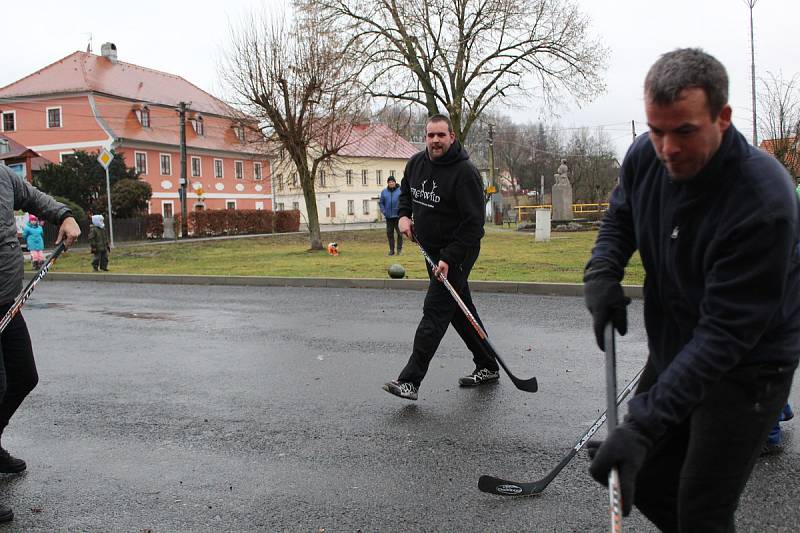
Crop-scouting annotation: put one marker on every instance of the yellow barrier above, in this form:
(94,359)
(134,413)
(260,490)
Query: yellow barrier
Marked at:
(525,212)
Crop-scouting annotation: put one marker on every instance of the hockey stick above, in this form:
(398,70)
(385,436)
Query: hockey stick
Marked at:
(527,385)
(496,485)
(19,301)
(614,490)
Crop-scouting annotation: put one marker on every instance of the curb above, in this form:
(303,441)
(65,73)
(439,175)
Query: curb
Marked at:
(514,287)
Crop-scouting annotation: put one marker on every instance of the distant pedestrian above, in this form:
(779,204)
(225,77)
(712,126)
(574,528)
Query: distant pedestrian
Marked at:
(389,205)
(33,235)
(98,243)
(18,375)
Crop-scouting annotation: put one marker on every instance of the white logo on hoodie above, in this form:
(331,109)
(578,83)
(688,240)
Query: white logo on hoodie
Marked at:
(421,196)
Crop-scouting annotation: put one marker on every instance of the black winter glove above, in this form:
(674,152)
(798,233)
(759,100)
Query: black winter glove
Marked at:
(626,448)
(606,301)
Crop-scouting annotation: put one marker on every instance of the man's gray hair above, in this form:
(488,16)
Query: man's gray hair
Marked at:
(687,68)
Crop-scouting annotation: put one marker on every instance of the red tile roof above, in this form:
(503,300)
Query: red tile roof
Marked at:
(377,141)
(83,72)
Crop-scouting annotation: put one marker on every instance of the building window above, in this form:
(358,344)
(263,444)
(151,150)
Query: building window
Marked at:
(196,169)
(230,204)
(279,206)
(53,117)
(321,178)
(391,173)
(348,175)
(166,209)
(238,170)
(351,207)
(379,177)
(279,181)
(259,206)
(218,168)
(365,206)
(143,115)
(166,164)
(257,171)
(296,206)
(294,179)
(364,177)
(9,121)
(66,156)
(238,130)
(197,125)
(141,162)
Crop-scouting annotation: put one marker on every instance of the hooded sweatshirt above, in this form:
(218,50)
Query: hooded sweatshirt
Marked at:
(445,199)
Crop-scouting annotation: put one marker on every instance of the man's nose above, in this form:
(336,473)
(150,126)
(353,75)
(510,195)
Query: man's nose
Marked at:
(670,146)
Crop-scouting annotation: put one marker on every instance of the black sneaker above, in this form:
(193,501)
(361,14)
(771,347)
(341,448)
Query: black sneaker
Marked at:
(10,464)
(404,390)
(391,252)
(6,514)
(770,448)
(479,376)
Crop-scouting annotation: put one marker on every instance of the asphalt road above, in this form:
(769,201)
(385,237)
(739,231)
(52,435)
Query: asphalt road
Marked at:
(197,408)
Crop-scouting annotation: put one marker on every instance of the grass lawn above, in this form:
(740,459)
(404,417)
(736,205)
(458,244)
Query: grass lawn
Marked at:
(505,256)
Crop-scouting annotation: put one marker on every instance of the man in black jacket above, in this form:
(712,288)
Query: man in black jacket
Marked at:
(442,203)
(715,221)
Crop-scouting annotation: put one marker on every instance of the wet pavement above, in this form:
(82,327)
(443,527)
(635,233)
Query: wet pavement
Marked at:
(202,408)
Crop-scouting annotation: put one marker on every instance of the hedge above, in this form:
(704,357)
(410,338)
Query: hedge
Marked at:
(211,223)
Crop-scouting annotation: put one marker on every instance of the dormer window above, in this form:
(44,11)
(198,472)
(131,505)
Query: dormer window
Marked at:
(143,116)
(238,129)
(197,124)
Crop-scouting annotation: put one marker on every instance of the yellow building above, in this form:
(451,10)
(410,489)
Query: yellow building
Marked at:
(348,188)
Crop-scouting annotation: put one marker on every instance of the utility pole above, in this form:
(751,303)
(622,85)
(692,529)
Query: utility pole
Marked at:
(633,129)
(497,216)
(182,191)
(751,4)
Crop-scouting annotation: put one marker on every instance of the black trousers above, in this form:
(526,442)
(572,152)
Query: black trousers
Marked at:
(693,478)
(100,260)
(440,310)
(391,229)
(18,375)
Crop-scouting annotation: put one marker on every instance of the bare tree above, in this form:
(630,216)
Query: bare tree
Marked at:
(295,76)
(779,119)
(593,168)
(464,55)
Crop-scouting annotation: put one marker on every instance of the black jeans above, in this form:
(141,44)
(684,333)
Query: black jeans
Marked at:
(18,375)
(391,229)
(694,476)
(100,260)
(440,310)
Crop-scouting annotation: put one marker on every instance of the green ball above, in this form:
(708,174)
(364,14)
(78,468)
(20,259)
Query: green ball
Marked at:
(397,271)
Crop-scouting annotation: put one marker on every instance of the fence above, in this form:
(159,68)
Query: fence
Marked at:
(528,212)
(125,229)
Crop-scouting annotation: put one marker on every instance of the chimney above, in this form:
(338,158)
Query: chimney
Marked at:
(109,51)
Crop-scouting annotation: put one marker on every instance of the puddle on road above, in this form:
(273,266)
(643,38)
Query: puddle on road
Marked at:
(145,316)
(46,305)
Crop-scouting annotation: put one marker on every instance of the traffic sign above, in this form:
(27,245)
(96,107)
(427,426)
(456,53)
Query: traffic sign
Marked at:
(105,157)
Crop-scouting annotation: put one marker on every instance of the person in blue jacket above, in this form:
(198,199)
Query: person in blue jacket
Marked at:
(33,235)
(389,204)
(715,221)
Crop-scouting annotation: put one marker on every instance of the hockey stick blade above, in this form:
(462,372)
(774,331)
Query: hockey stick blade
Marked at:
(496,485)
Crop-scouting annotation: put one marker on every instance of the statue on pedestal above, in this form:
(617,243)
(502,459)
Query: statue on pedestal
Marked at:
(562,193)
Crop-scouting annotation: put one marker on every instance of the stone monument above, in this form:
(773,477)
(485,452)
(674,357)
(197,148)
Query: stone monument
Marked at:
(562,194)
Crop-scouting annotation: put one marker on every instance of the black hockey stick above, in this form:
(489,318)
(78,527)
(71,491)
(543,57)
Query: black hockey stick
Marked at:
(614,490)
(495,485)
(19,301)
(527,385)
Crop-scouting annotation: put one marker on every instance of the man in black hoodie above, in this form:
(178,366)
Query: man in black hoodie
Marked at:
(442,204)
(715,221)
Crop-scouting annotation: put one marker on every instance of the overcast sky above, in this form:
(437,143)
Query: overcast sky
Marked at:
(186,38)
